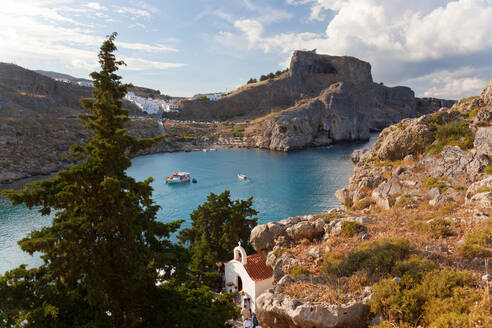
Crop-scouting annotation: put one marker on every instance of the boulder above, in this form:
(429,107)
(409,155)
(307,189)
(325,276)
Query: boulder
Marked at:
(345,196)
(302,230)
(383,193)
(483,199)
(360,154)
(282,311)
(410,136)
(486,94)
(261,238)
(483,115)
(474,187)
(456,164)
(483,141)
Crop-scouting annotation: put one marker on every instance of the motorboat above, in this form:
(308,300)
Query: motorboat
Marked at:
(178,177)
(242,176)
(194,180)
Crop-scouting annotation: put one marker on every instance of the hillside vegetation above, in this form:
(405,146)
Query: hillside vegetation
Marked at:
(410,246)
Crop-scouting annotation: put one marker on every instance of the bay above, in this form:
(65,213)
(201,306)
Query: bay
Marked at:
(282,185)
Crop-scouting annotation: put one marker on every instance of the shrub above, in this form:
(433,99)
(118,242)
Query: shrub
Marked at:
(404,200)
(298,270)
(440,228)
(350,228)
(412,269)
(475,244)
(362,204)
(488,170)
(455,133)
(429,299)
(376,258)
(238,131)
(440,183)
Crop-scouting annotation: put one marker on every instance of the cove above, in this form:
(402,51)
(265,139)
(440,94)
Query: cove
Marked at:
(282,185)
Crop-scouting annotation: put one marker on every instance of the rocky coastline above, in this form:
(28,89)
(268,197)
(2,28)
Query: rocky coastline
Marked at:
(424,192)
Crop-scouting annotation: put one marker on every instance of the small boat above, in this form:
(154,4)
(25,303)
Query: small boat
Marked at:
(178,177)
(212,149)
(205,150)
(242,176)
(193,180)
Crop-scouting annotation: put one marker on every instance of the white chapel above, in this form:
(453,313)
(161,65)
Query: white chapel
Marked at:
(248,275)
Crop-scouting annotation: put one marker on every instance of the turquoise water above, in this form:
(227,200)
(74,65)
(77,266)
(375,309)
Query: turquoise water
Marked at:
(282,184)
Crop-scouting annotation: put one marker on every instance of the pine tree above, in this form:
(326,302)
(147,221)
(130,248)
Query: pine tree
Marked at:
(104,247)
(217,225)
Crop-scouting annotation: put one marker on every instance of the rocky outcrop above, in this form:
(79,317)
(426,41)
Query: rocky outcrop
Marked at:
(320,100)
(264,237)
(483,141)
(278,310)
(408,137)
(486,95)
(347,108)
(407,142)
(345,111)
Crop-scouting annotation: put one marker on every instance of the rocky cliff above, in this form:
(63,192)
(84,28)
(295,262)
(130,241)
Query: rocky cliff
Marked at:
(328,99)
(409,246)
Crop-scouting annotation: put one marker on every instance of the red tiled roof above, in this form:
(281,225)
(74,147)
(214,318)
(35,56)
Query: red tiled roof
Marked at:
(257,268)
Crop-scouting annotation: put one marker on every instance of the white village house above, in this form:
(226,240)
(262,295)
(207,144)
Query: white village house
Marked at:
(248,273)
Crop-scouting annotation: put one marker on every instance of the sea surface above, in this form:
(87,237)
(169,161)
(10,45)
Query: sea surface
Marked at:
(282,185)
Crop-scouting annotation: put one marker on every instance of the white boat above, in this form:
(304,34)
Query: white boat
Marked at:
(212,149)
(178,177)
(242,176)
(205,150)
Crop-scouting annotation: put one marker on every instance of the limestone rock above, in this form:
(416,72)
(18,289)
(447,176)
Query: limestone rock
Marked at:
(483,199)
(385,191)
(483,115)
(456,163)
(474,187)
(408,137)
(261,238)
(360,154)
(483,141)
(486,94)
(282,311)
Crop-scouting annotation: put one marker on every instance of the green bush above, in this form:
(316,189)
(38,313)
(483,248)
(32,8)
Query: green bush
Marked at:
(298,270)
(238,131)
(350,228)
(362,204)
(376,258)
(476,244)
(412,270)
(404,200)
(455,133)
(440,228)
(488,170)
(440,183)
(430,298)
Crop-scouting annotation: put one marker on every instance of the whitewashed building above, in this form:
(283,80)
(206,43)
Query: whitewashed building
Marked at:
(85,84)
(248,274)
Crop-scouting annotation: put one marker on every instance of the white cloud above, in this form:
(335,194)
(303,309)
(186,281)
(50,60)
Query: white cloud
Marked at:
(41,34)
(387,33)
(137,64)
(135,12)
(145,47)
(96,6)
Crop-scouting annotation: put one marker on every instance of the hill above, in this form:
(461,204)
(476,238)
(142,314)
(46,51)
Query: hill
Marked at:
(309,74)
(410,246)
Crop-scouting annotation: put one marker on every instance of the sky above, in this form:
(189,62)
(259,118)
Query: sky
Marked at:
(182,47)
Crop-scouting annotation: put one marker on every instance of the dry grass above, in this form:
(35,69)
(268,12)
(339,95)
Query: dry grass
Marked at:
(336,291)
